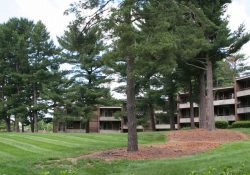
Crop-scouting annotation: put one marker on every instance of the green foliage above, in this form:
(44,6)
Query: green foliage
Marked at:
(241,124)
(45,126)
(221,124)
(2,126)
(26,54)
(85,89)
(63,172)
(223,74)
(228,170)
(239,65)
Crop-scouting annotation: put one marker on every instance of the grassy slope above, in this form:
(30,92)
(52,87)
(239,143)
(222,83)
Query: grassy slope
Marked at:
(24,151)
(21,153)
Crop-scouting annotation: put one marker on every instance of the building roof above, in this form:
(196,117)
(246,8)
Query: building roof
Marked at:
(215,89)
(110,107)
(223,88)
(242,78)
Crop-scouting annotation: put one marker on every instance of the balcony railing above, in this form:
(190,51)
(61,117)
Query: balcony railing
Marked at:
(243,105)
(244,88)
(105,118)
(224,98)
(243,92)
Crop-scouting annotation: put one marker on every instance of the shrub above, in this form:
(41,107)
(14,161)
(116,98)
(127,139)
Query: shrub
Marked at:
(221,124)
(227,170)
(185,128)
(241,124)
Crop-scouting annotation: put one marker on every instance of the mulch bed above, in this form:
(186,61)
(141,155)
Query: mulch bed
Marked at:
(180,143)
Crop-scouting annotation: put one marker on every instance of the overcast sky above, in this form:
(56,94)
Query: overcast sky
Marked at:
(50,12)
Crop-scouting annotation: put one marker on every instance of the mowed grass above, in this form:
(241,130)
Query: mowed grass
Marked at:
(40,153)
(26,153)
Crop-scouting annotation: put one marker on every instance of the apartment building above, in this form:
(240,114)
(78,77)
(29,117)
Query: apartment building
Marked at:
(230,104)
(242,91)
(105,120)
(102,120)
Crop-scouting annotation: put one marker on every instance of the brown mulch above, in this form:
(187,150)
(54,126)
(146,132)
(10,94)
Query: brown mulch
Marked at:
(180,143)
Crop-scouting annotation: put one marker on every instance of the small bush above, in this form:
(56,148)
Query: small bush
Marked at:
(227,170)
(221,124)
(185,128)
(241,124)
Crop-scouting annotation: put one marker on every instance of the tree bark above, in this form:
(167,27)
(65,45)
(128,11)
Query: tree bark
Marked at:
(152,116)
(210,98)
(35,111)
(202,101)
(22,127)
(7,122)
(172,112)
(191,104)
(32,124)
(87,127)
(17,129)
(132,132)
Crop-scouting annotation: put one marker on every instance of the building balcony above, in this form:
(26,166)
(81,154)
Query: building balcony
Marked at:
(138,127)
(224,102)
(102,118)
(75,130)
(243,110)
(243,92)
(109,131)
(186,105)
(225,118)
(187,120)
(164,126)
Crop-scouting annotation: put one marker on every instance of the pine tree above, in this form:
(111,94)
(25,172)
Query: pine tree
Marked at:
(41,53)
(27,54)
(82,49)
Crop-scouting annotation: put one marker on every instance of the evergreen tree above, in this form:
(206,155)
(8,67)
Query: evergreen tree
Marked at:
(40,57)
(26,54)
(82,49)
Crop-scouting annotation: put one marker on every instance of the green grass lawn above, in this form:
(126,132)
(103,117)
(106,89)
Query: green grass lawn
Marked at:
(28,154)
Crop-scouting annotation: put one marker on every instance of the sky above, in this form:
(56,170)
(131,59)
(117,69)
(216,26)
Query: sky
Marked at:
(50,12)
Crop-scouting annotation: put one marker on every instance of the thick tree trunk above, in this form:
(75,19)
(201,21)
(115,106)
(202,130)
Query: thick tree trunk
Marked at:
(172,112)
(210,98)
(152,116)
(35,111)
(191,105)
(132,132)
(202,101)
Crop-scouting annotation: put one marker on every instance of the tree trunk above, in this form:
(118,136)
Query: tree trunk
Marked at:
(210,98)
(35,111)
(191,105)
(152,116)
(132,132)
(172,112)
(87,126)
(17,129)
(7,122)
(32,124)
(202,101)
(22,127)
